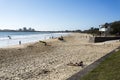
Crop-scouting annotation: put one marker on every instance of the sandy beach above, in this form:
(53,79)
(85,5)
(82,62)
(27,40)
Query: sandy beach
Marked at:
(36,61)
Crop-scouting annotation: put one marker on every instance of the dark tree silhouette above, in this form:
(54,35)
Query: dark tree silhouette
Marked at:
(115,26)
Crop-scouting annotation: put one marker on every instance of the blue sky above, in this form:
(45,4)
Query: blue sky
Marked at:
(57,14)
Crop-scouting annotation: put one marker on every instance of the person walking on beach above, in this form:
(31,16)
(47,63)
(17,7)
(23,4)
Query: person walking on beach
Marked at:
(9,37)
(19,42)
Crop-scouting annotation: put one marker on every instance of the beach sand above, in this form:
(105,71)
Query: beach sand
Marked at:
(36,61)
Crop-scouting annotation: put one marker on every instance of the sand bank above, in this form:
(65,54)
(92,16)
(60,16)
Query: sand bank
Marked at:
(38,62)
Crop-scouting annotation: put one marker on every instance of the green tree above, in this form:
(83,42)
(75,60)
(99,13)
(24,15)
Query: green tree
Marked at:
(24,29)
(30,29)
(20,29)
(115,26)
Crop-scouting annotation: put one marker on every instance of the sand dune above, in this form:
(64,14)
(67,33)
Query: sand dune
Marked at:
(38,62)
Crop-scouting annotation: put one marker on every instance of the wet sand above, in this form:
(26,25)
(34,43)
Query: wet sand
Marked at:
(35,61)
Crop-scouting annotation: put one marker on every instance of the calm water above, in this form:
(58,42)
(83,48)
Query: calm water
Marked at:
(24,37)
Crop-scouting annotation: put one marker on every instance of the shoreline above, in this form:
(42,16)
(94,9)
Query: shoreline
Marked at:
(39,62)
(23,45)
(16,39)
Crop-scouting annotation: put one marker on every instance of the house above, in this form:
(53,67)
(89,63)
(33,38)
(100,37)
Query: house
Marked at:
(105,29)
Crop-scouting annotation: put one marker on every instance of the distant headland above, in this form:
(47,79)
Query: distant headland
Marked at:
(24,29)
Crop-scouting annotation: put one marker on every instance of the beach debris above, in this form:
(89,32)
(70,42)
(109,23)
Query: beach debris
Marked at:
(44,42)
(76,64)
(45,71)
(61,38)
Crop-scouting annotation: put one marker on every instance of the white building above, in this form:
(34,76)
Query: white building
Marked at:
(105,29)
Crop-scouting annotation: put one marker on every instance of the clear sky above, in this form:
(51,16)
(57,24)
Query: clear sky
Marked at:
(57,14)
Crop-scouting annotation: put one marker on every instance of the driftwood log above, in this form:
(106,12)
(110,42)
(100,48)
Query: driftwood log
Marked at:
(76,64)
(44,42)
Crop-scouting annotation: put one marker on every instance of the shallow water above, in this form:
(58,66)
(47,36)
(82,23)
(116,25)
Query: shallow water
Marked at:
(25,37)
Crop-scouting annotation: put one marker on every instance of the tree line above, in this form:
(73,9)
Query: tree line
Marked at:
(115,27)
(24,29)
